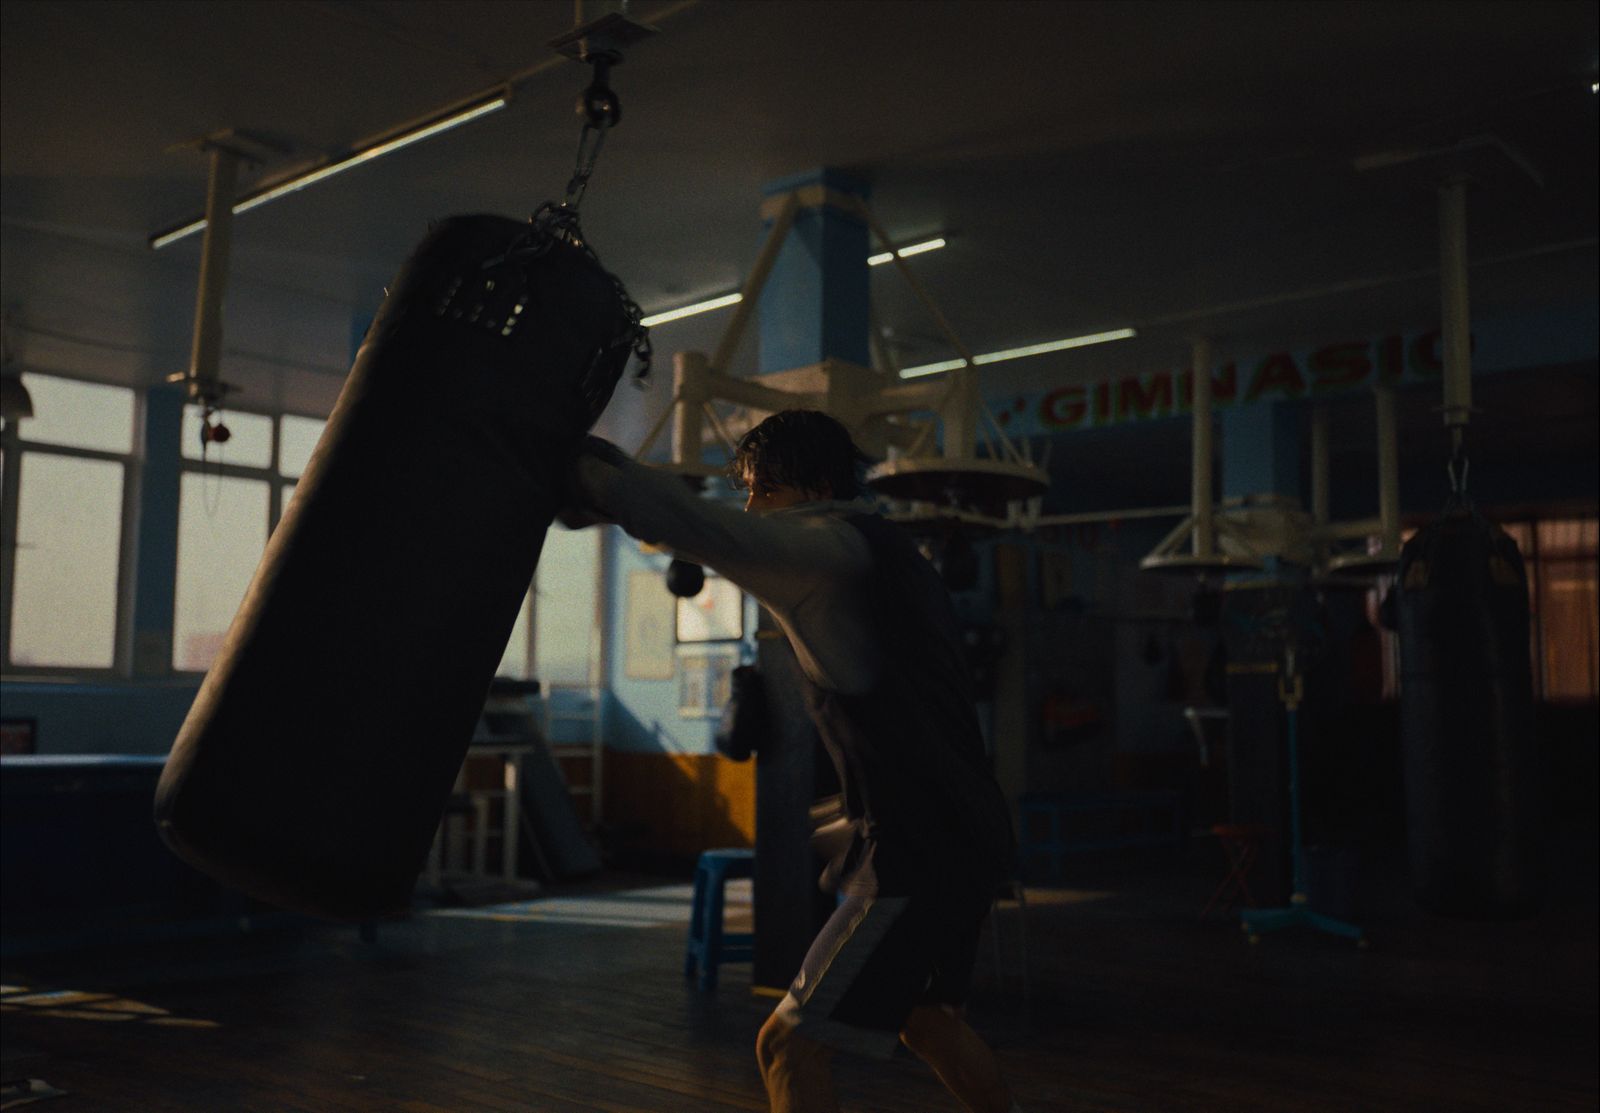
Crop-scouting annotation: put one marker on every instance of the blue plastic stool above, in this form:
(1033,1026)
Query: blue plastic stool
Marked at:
(709,945)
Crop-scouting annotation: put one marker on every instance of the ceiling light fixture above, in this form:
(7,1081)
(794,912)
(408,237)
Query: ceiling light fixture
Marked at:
(691,310)
(405,136)
(733,299)
(906,252)
(1019,353)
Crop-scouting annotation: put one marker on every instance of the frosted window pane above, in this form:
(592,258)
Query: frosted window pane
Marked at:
(514,663)
(568,580)
(286,498)
(82,415)
(69,524)
(297,436)
(249,446)
(222,530)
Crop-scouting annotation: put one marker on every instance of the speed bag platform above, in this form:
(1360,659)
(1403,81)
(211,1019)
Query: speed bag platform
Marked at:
(1472,771)
(319,753)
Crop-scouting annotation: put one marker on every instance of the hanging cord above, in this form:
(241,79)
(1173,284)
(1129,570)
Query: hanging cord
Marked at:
(212,432)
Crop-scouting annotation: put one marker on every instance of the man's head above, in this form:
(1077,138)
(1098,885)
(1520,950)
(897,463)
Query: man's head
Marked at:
(797,456)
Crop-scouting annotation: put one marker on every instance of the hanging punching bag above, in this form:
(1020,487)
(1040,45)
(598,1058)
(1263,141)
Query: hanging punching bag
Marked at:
(1466,703)
(313,768)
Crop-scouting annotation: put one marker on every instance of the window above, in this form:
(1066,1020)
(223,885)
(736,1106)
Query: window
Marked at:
(69,525)
(566,612)
(1563,558)
(231,496)
(556,636)
(65,478)
(222,531)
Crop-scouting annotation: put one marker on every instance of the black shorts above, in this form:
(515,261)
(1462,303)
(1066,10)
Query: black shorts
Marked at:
(879,957)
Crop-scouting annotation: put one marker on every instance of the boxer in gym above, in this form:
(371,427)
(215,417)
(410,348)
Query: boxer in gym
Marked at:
(888,688)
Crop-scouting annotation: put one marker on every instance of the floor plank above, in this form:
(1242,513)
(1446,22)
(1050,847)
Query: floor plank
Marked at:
(1134,1005)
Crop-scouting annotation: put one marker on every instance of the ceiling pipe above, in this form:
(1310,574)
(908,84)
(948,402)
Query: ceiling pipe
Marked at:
(203,380)
(1388,474)
(1387,524)
(1319,466)
(1455,314)
(1202,452)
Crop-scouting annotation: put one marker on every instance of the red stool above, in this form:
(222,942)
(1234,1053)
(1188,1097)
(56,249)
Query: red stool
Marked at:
(1241,842)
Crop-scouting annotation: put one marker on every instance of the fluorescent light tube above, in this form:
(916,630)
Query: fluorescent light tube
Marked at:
(905,252)
(691,310)
(1019,353)
(734,299)
(453,118)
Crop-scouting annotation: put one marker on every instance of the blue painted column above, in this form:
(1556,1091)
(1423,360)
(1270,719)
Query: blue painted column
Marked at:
(155,566)
(814,306)
(816,300)
(1261,446)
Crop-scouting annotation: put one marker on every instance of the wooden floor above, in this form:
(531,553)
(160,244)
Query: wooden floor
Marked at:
(577,1002)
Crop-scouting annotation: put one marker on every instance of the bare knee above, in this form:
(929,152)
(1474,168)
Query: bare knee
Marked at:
(770,1042)
(779,1046)
(930,1027)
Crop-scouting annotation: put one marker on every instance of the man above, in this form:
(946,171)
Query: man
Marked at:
(887,686)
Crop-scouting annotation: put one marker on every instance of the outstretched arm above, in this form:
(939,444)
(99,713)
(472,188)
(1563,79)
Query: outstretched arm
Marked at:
(780,557)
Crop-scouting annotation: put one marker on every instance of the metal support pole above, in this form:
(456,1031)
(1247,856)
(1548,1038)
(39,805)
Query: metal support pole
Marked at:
(960,415)
(690,396)
(751,293)
(10,492)
(205,355)
(1319,465)
(1455,319)
(1204,538)
(1388,471)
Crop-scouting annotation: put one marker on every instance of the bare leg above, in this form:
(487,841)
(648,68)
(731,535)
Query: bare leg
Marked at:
(958,1056)
(795,1069)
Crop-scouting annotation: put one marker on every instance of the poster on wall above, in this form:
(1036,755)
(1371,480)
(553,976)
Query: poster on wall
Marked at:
(649,626)
(715,615)
(705,679)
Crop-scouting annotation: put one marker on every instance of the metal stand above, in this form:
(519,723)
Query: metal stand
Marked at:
(1257,921)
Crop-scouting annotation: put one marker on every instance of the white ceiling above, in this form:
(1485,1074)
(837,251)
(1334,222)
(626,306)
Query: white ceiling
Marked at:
(1092,164)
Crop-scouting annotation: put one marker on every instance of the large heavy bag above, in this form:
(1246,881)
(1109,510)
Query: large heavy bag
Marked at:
(1467,724)
(313,768)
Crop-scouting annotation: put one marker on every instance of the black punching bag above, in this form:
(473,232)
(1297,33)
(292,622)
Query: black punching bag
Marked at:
(315,763)
(1466,705)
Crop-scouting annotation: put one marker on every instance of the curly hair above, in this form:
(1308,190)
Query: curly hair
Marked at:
(805,449)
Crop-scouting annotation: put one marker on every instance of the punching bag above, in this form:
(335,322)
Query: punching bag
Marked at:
(1466,707)
(313,768)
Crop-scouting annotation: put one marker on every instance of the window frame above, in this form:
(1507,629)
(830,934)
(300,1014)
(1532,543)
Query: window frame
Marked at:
(269,473)
(16,448)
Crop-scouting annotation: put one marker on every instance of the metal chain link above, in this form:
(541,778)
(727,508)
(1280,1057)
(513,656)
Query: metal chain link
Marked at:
(579,182)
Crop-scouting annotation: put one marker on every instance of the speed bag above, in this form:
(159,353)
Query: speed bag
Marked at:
(1467,725)
(322,746)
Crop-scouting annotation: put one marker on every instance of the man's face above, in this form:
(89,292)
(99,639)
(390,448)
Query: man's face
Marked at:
(775,498)
(761,499)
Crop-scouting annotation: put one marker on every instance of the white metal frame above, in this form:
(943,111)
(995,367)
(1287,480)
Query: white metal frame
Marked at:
(16,450)
(879,409)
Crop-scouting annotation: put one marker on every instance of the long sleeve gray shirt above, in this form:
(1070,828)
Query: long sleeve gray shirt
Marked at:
(805,564)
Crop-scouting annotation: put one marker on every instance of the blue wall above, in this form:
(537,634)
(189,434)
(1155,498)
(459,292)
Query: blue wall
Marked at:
(642,715)
(112,718)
